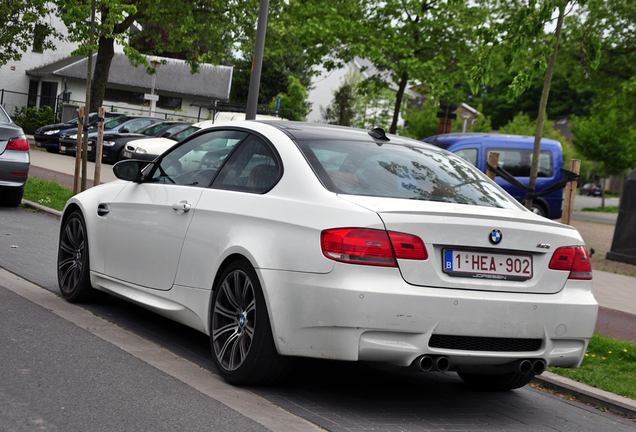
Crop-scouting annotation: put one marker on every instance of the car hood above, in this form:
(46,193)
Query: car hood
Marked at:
(56,126)
(459,227)
(154,146)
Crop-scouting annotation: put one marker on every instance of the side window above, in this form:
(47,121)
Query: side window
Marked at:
(197,161)
(519,162)
(136,125)
(468,154)
(254,167)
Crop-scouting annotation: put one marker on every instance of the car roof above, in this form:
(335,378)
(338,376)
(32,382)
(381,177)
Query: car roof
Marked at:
(501,140)
(301,131)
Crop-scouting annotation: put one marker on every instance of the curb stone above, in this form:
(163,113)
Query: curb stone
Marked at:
(47,210)
(592,395)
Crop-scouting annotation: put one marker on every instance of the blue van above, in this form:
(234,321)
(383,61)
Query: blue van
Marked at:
(515,156)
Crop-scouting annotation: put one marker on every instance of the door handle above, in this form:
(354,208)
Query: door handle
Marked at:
(102,210)
(181,207)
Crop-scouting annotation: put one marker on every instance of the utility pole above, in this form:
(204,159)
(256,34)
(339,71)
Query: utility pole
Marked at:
(257,61)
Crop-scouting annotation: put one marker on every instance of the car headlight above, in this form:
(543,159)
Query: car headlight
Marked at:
(108,143)
(51,132)
(72,136)
(140,151)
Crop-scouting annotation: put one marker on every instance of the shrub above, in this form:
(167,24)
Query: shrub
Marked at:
(32,118)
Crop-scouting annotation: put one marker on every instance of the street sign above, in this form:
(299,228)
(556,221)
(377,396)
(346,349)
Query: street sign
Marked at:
(151,97)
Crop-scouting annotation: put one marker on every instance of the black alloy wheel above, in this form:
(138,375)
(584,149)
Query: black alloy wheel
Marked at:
(73,262)
(240,333)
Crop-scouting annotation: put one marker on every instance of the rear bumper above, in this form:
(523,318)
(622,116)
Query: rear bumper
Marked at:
(14,168)
(373,315)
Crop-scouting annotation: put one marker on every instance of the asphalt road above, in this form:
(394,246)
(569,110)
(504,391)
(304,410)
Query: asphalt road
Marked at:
(333,395)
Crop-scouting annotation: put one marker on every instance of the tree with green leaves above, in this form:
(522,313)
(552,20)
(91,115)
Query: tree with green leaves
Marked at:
(341,110)
(408,41)
(519,30)
(608,135)
(293,104)
(23,26)
(421,121)
(202,31)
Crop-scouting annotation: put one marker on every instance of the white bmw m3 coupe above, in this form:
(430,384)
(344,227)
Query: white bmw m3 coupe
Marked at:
(283,240)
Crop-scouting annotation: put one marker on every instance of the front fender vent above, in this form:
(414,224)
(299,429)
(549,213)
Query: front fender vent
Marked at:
(475,343)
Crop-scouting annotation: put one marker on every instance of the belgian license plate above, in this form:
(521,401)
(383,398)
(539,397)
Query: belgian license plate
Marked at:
(90,148)
(483,265)
(127,154)
(62,148)
(38,144)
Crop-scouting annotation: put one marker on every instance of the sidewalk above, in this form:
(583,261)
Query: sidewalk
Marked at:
(612,291)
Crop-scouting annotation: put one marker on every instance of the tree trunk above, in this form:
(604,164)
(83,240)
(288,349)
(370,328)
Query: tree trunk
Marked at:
(543,104)
(105,53)
(398,101)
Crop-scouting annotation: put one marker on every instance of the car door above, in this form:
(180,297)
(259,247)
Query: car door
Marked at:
(147,222)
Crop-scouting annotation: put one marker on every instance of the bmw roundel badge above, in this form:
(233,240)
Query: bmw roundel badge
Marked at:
(495,236)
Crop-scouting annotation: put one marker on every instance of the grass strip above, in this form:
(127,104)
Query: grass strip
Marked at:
(607,209)
(48,193)
(609,364)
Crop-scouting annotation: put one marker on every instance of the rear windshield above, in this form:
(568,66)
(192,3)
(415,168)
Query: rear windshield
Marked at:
(400,171)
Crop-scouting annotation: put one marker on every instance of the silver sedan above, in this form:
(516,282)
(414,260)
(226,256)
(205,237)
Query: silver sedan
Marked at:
(14,161)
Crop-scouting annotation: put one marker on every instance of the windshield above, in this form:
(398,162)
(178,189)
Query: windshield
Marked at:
(401,171)
(185,133)
(116,121)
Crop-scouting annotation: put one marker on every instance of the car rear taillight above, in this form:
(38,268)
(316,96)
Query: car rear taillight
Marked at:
(371,246)
(573,259)
(20,143)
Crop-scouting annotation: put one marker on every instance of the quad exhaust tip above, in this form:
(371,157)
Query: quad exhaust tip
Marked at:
(535,366)
(429,363)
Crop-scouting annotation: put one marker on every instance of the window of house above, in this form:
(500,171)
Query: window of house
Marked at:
(125,96)
(169,102)
(39,36)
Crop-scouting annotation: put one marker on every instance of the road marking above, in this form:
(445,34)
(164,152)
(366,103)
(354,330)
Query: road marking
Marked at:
(243,401)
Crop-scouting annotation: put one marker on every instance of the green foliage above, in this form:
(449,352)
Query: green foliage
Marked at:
(421,122)
(404,40)
(374,108)
(609,364)
(21,21)
(609,134)
(340,111)
(293,104)
(32,118)
(517,33)
(482,124)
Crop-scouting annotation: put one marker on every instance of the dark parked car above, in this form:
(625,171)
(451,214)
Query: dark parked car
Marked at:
(47,137)
(14,161)
(114,143)
(591,189)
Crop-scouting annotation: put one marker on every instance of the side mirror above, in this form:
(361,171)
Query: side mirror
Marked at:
(124,130)
(129,170)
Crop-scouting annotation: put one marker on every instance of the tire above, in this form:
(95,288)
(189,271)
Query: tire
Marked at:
(538,209)
(11,197)
(241,339)
(496,382)
(73,264)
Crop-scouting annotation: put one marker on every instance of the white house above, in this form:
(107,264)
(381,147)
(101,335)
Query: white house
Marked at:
(53,77)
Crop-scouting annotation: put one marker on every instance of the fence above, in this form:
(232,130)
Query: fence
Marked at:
(11,100)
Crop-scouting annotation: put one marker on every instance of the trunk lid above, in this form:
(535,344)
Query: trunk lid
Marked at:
(466,230)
